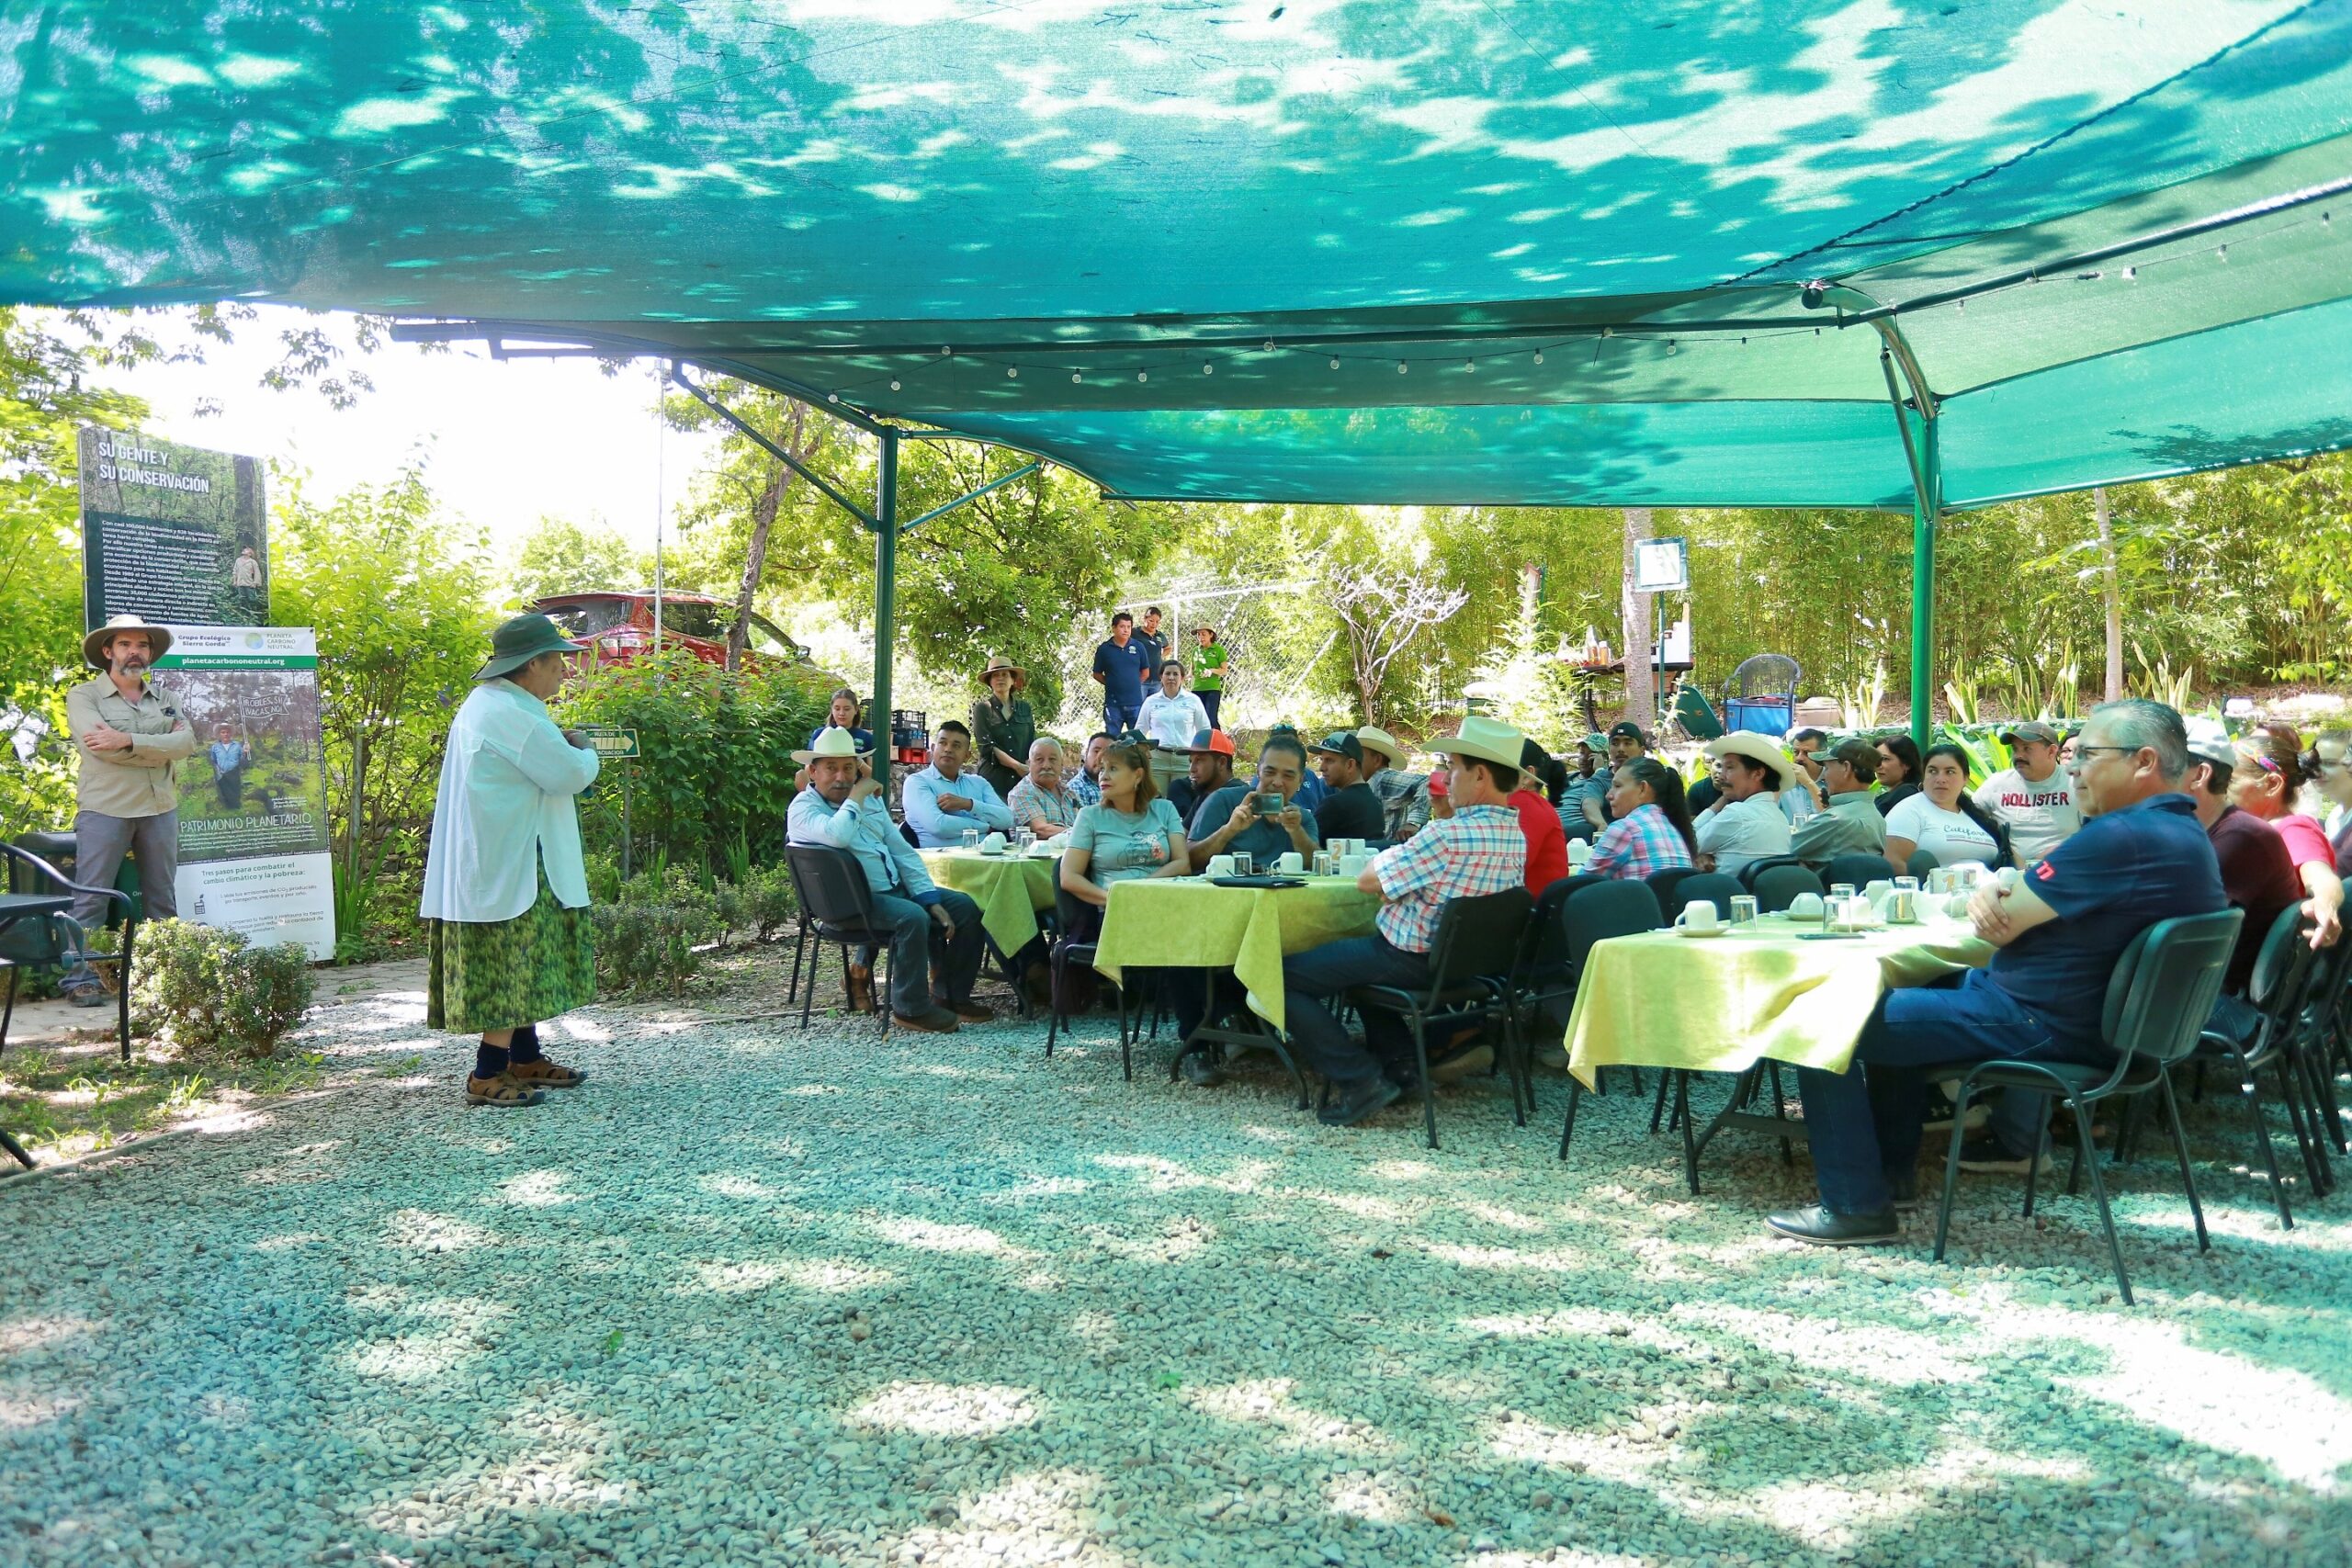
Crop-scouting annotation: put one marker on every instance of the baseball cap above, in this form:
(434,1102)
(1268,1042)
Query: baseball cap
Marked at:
(2031,729)
(2209,742)
(1626,729)
(1215,741)
(1859,755)
(1343,744)
(1532,757)
(1594,742)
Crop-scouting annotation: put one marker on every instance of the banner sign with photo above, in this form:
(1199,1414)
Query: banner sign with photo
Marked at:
(171,533)
(254,798)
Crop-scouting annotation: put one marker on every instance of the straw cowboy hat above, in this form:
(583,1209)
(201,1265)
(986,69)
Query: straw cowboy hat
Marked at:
(1488,740)
(1372,738)
(1756,748)
(516,642)
(159,639)
(1007,665)
(832,741)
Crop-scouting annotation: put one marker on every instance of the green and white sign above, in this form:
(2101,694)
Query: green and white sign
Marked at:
(612,743)
(253,809)
(173,534)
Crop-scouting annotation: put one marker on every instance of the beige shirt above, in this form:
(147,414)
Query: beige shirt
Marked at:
(137,783)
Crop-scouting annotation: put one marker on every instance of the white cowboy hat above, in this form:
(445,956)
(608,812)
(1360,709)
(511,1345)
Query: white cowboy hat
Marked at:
(1756,748)
(832,741)
(1372,738)
(1488,740)
(159,638)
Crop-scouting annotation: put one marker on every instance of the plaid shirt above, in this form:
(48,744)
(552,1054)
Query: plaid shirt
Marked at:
(1477,850)
(1637,845)
(1085,791)
(1028,802)
(1404,801)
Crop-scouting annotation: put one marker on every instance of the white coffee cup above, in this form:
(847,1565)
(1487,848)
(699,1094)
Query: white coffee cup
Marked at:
(1876,891)
(1806,907)
(1579,852)
(1292,862)
(1354,865)
(1220,866)
(1956,906)
(1698,915)
(993,844)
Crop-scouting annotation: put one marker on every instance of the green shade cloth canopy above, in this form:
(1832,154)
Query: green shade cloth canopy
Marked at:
(1360,251)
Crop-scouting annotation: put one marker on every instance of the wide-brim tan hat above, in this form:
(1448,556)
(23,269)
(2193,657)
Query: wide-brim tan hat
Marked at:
(1756,748)
(159,639)
(832,741)
(1372,738)
(1488,740)
(1007,665)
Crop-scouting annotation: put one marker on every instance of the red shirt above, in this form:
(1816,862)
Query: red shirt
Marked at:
(1547,843)
(2306,840)
(2259,876)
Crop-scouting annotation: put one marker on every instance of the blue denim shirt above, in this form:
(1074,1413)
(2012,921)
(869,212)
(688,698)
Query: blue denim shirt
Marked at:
(867,832)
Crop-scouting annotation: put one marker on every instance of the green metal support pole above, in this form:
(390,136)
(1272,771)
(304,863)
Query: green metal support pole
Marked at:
(1924,510)
(886,599)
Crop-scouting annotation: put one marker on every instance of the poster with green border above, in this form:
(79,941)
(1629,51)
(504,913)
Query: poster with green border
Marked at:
(172,534)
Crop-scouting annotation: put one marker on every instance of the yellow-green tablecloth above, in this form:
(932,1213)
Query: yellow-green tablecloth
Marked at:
(1010,890)
(1189,922)
(1719,1004)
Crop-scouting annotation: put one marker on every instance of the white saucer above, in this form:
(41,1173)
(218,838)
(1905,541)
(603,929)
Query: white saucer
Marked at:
(1693,930)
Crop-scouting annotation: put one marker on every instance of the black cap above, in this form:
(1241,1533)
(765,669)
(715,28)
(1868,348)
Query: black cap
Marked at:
(1343,744)
(1626,729)
(1533,758)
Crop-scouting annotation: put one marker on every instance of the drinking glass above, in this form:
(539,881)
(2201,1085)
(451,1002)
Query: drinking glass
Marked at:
(1743,909)
(1021,839)
(971,838)
(1833,909)
(1323,862)
(1242,864)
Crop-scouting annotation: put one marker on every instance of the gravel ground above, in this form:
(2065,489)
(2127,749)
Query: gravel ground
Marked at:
(756,1295)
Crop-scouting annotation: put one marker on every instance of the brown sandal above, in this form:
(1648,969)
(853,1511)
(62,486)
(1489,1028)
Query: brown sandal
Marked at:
(503,1091)
(544,1074)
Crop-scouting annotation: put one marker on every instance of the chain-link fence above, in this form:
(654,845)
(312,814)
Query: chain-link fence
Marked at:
(1281,653)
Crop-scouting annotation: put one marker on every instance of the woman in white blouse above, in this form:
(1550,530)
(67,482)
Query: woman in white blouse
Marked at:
(505,888)
(1941,818)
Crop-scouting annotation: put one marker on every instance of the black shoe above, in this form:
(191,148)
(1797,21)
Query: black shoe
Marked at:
(1984,1155)
(1200,1071)
(1817,1226)
(1369,1100)
(1904,1191)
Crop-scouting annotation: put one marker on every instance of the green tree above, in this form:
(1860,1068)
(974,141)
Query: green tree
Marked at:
(399,594)
(45,393)
(560,556)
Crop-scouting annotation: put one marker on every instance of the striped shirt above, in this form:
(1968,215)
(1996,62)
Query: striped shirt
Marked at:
(1478,850)
(1635,845)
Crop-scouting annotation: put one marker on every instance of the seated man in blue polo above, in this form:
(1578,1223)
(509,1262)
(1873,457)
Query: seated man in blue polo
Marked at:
(843,808)
(948,797)
(2141,856)
(1478,850)
(1230,820)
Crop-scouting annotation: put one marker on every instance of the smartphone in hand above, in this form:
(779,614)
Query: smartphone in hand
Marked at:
(1269,803)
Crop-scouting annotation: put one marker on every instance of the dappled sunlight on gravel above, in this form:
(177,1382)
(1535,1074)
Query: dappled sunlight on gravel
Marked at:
(760,1296)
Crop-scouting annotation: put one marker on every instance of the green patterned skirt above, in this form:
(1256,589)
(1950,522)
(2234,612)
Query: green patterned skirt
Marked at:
(490,974)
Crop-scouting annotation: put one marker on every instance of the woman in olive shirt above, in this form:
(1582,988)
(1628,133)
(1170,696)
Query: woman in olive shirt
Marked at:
(1208,671)
(1002,728)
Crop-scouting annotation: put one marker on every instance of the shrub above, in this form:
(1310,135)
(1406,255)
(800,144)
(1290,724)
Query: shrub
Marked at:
(646,938)
(203,988)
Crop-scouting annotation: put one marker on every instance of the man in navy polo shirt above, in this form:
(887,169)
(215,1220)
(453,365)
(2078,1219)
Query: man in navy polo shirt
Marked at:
(2141,856)
(1120,666)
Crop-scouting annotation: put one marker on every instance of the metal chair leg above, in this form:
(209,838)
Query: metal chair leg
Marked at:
(1568,1127)
(1951,1166)
(2099,1190)
(1657,1106)
(2180,1149)
(1421,1060)
(799,945)
(2250,1095)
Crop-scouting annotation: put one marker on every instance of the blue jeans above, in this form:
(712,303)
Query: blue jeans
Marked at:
(916,940)
(1316,1037)
(1865,1121)
(1118,717)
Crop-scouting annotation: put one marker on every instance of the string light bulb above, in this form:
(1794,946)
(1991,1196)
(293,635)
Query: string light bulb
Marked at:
(832,397)
(1539,356)
(894,385)
(1012,373)
(1469,364)
(1075,378)
(1143,375)
(2224,253)
(1335,362)
(1669,345)
(1269,345)
(947,353)
(2130,274)
(1206,368)
(1608,332)
(1400,367)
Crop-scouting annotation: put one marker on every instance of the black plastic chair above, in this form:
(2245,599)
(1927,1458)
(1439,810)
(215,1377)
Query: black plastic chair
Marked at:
(1858,869)
(1542,980)
(1777,888)
(1465,982)
(1665,885)
(2319,1042)
(1921,863)
(37,938)
(1594,915)
(1717,887)
(832,889)
(1077,923)
(2276,990)
(1748,873)
(2159,998)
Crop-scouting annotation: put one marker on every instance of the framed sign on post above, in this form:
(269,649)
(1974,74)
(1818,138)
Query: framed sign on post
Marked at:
(1662,566)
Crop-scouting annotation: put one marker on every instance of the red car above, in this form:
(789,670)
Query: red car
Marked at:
(620,626)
